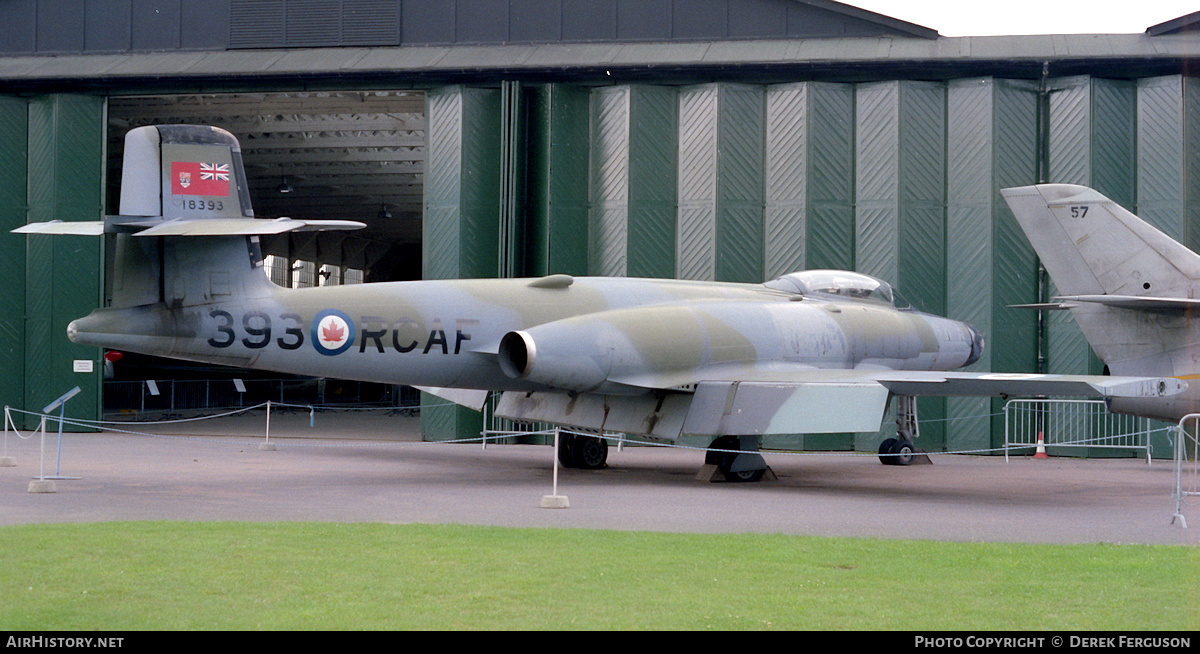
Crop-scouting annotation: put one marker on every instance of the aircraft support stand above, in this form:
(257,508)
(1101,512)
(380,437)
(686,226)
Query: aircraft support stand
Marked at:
(736,459)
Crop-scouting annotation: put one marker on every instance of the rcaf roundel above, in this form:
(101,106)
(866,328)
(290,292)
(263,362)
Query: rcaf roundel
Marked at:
(332,332)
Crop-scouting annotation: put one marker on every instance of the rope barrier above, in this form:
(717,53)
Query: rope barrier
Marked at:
(110,426)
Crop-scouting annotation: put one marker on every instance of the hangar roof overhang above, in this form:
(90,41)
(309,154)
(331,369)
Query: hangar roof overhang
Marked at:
(845,59)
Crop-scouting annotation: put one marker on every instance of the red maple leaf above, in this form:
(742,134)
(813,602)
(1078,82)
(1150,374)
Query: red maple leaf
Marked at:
(332,332)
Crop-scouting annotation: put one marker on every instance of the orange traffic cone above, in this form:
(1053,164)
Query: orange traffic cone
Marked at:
(1041,448)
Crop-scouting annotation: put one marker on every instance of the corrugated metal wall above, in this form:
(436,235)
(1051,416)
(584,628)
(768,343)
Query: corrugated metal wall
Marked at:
(991,135)
(14,119)
(557,230)
(65,175)
(808,178)
(1092,142)
(900,207)
(897,179)
(632,181)
(720,210)
(715,181)
(462,208)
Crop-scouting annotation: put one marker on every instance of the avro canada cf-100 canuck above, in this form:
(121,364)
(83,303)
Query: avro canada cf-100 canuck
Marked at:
(817,351)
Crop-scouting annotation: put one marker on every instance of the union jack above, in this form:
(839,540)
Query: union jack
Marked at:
(214,171)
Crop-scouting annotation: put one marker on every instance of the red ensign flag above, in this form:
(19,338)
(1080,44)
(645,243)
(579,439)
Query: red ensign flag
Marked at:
(197,178)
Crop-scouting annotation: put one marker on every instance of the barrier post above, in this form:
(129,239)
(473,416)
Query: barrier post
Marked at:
(41,484)
(7,461)
(1181,436)
(555,501)
(267,445)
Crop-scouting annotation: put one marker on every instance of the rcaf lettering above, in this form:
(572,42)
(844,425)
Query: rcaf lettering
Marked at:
(460,334)
(369,334)
(403,331)
(436,335)
(406,334)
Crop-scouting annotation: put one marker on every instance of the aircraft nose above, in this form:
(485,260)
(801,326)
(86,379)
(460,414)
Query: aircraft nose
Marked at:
(976,345)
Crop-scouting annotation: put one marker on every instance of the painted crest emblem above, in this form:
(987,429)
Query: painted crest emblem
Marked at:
(332,332)
(185,179)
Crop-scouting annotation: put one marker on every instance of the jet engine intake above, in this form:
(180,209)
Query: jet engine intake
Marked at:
(552,357)
(517,351)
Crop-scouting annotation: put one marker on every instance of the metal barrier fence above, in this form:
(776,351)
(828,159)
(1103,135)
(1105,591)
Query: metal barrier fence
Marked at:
(1035,423)
(504,431)
(1187,446)
(133,399)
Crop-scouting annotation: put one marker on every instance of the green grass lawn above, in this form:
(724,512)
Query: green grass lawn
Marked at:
(199,576)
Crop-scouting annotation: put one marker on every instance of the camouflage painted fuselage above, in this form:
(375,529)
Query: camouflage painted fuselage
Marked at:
(604,335)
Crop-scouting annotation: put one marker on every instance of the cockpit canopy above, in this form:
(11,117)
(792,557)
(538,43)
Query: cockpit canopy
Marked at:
(837,283)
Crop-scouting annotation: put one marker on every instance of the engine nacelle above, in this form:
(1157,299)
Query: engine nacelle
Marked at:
(604,352)
(665,346)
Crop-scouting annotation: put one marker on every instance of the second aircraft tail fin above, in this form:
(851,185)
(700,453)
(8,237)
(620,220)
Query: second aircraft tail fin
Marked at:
(1090,245)
(1128,285)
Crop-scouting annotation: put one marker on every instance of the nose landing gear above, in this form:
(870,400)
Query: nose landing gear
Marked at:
(900,451)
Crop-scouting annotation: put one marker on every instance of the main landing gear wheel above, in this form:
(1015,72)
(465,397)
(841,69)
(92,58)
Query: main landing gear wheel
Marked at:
(896,452)
(582,451)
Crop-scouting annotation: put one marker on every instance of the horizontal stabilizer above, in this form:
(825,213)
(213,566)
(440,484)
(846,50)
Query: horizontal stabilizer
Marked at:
(1045,306)
(186,227)
(61,228)
(244,227)
(1139,302)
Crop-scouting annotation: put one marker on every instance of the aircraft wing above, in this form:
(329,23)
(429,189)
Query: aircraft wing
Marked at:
(998,384)
(802,401)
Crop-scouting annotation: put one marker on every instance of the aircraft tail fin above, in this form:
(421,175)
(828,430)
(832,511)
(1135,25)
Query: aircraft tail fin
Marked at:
(183,171)
(1127,284)
(1090,245)
(184,180)
(186,233)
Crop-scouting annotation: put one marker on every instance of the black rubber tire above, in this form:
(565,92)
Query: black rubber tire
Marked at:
(591,452)
(566,450)
(885,448)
